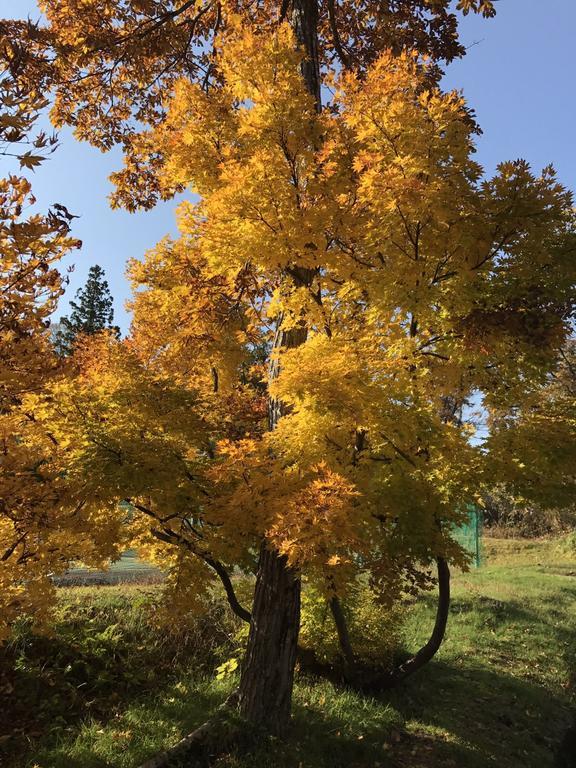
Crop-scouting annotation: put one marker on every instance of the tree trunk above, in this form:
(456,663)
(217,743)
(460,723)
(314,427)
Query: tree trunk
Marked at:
(305,25)
(265,694)
(266,681)
(343,636)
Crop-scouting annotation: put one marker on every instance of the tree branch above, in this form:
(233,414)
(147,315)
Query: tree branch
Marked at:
(12,548)
(224,576)
(173,537)
(338,47)
(343,634)
(429,650)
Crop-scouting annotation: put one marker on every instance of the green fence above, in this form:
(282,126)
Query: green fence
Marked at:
(469,535)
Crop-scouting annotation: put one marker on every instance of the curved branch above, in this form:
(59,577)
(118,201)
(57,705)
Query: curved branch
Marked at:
(429,650)
(224,577)
(172,537)
(238,609)
(151,25)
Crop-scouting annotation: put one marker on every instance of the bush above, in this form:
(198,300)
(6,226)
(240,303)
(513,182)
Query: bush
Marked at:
(375,629)
(106,649)
(509,516)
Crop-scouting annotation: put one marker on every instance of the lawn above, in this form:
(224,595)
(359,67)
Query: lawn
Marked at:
(107,690)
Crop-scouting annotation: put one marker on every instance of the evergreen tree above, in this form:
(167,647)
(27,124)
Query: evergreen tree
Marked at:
(92,312)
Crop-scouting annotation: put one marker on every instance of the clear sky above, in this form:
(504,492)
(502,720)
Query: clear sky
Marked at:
(518,75)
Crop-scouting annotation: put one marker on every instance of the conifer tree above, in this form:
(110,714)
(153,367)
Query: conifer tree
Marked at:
(93,311)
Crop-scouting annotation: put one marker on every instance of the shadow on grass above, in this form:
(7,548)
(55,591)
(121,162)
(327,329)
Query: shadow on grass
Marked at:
(140,732)
(472,713)
(479,718)
(459,712)
(100,660)
(331,729)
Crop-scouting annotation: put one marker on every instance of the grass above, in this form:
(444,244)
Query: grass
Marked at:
(128,569)
(109,691)
(501,690)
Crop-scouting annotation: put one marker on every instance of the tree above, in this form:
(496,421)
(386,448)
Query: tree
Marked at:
(31,524)
(93,311)
(541,434)
(111,63)
(30,285)
(363,246)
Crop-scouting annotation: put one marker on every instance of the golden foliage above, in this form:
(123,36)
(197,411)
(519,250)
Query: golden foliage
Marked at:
(111,63)
(415,285)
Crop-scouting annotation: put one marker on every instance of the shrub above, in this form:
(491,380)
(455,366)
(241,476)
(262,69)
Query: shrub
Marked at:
(507,515)
(375,629)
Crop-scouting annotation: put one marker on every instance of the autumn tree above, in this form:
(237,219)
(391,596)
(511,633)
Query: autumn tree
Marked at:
(360,244)
(112,62)
(540,434)
(92,312)
(386,273)
(32,526)
(31,245)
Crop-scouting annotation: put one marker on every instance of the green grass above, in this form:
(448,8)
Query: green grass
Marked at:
(500,692)
(128,569)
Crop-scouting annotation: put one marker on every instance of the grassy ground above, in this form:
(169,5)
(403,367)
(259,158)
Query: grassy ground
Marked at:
(108,691)
(129,569)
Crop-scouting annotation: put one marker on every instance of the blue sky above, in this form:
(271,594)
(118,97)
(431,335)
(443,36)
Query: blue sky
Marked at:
(518,76)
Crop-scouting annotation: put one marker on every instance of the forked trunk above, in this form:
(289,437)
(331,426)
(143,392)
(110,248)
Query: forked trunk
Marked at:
(265,694)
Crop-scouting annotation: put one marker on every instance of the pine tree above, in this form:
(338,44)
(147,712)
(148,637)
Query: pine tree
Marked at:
(92,312)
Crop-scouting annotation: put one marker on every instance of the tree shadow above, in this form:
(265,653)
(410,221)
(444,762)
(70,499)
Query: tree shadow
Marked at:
(183,712)
(90,671)
(484,716)
(456,712)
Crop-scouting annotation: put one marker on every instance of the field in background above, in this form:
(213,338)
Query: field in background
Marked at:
(128,570)
(108,690)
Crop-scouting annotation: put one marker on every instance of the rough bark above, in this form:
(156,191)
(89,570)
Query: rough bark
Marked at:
(305,24)
(265,693)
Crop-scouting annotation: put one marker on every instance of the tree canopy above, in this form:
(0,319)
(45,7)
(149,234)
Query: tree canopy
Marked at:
(31,523)
(427,281)
(112,63)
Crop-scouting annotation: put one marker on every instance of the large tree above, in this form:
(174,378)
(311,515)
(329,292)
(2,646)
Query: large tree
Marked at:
(386,274)
(360,244)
